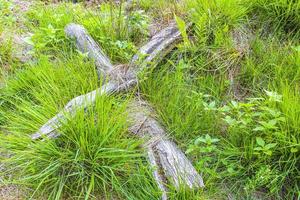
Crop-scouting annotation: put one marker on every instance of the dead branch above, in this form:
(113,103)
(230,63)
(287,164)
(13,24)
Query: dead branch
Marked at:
(169,163)
(176,167)
(83,101)
(86,44)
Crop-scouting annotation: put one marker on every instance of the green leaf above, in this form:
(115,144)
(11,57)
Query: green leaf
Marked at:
(182,28)
(272,122)
(259,128)
(260,141)
(274,96)
(296,48)
(234,104)
(270,146)
(268,152)
(258,149)
(207,139)
(199,140)
(215,140)
(225,109)
(29,41)
(229,120)
(230,170)
(189,150)
(294,150)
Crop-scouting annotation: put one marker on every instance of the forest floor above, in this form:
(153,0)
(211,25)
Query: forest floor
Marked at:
(228,95)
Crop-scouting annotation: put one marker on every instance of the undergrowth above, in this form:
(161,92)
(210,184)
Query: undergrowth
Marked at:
(228,95)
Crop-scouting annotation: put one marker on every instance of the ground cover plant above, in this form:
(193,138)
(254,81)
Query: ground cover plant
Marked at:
(228,95)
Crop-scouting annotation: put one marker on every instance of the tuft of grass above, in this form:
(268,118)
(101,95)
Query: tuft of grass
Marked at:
(93,155)
(179,100)
(269,64)
(242,148)
(280,16)
(7,19)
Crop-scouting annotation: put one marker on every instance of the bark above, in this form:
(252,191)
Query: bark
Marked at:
(169,163)
(86,44)
(177,169)
(156,49)
(50,128)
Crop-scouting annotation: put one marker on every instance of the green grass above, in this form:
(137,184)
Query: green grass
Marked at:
(224,137)
(110,27)
(95,154)
(246,147)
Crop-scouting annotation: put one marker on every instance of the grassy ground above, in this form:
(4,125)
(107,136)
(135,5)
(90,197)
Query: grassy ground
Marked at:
(229,96)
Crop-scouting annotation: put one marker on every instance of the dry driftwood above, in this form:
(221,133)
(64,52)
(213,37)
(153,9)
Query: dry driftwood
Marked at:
(86,44)
(174,163)
(159,45)
(170,164)
(50,128)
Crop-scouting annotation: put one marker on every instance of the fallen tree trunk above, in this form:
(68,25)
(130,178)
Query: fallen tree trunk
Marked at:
(50,128)
(86,44)
(176,167)
(156,49)
(169,163)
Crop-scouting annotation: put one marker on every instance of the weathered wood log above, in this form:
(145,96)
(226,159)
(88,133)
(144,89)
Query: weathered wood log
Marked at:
(159,178)
(175,165)
(86,44)
(170,164)
(156,49)
(83,101)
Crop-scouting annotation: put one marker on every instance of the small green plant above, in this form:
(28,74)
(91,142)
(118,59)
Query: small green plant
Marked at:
(203,144)
(183,30)
(138,23)
(263,147)
(7,19)
(46,38)
(255,132)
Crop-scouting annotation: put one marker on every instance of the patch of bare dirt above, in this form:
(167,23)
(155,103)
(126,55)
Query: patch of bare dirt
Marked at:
(11,192)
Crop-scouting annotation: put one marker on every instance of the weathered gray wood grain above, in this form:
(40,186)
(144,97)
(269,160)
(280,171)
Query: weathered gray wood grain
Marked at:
(86,44)
(49,129)
(175,165)
(156,49)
